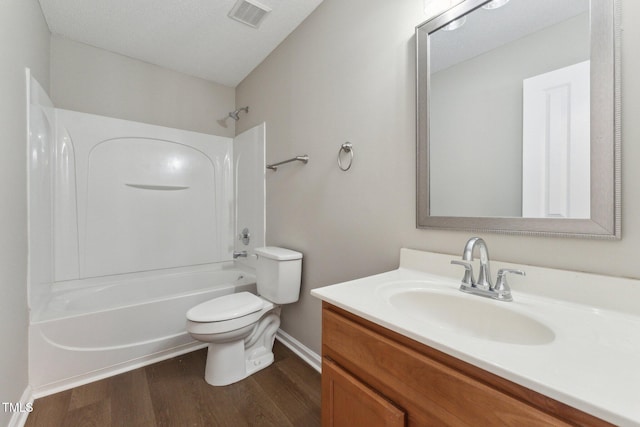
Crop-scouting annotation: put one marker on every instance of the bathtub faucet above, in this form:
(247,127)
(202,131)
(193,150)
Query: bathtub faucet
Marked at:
(237,254)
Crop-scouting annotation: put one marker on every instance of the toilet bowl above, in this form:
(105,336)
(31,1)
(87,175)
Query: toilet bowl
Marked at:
(240,328)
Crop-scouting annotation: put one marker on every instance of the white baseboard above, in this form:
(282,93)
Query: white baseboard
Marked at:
(18,419)
(305,353)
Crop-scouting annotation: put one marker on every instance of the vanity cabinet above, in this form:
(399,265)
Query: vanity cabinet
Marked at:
(375,377)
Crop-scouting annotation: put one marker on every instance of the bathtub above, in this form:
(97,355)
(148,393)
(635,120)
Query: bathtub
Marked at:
(94,328)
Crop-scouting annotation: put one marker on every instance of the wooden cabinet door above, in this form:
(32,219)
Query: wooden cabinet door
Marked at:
(347,402)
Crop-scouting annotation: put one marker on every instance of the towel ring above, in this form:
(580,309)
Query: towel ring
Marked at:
(347,147)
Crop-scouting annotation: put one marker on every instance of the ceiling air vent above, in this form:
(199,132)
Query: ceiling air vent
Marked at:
(249,12)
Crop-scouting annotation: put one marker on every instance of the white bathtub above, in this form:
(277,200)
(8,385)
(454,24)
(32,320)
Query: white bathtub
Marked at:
(94,328)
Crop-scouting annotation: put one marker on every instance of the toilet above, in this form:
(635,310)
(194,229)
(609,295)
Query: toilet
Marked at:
(240,328)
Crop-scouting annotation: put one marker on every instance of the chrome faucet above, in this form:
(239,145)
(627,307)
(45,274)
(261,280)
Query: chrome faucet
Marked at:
(483,286)
(237,254)
(484,276)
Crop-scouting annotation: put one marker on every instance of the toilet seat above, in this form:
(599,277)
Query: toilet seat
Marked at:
(234,311)
(226,307)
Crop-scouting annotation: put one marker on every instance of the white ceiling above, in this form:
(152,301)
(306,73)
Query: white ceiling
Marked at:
(195,37)
(485,30)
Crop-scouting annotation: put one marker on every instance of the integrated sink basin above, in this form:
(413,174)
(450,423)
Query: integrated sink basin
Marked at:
(574,337)
(471,315)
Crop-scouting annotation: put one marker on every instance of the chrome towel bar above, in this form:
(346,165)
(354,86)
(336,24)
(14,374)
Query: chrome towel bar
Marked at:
(304,159)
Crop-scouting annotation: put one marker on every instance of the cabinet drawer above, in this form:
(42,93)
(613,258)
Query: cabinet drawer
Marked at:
(432,393)
(348,402)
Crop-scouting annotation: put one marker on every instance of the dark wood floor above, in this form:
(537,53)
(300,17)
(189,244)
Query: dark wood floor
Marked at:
(174,393)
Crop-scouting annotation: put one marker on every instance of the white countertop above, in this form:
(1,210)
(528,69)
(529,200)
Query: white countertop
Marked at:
(593,363)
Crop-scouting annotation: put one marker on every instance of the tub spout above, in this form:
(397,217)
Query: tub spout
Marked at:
(239,254)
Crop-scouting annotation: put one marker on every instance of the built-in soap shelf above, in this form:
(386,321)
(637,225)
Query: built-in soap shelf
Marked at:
(157,187)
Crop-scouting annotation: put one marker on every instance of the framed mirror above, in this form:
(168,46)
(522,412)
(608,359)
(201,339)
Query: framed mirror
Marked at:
(518,118)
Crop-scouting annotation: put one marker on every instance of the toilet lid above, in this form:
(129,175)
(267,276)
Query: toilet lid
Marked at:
(225,308)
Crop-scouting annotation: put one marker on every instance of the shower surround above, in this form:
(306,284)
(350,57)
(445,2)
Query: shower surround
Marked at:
(130,225)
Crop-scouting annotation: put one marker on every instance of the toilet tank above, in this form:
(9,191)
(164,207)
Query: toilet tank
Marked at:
(278,274)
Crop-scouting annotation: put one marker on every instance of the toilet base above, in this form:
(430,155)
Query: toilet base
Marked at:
(225,364)
(232,361)
(228,370)
(261,362)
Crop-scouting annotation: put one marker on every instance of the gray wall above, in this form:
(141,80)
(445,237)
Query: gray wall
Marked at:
(24,42)
(92,80)
(347,73)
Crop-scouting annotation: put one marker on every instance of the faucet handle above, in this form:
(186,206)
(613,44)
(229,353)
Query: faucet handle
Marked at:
(467,279)
(502,287)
